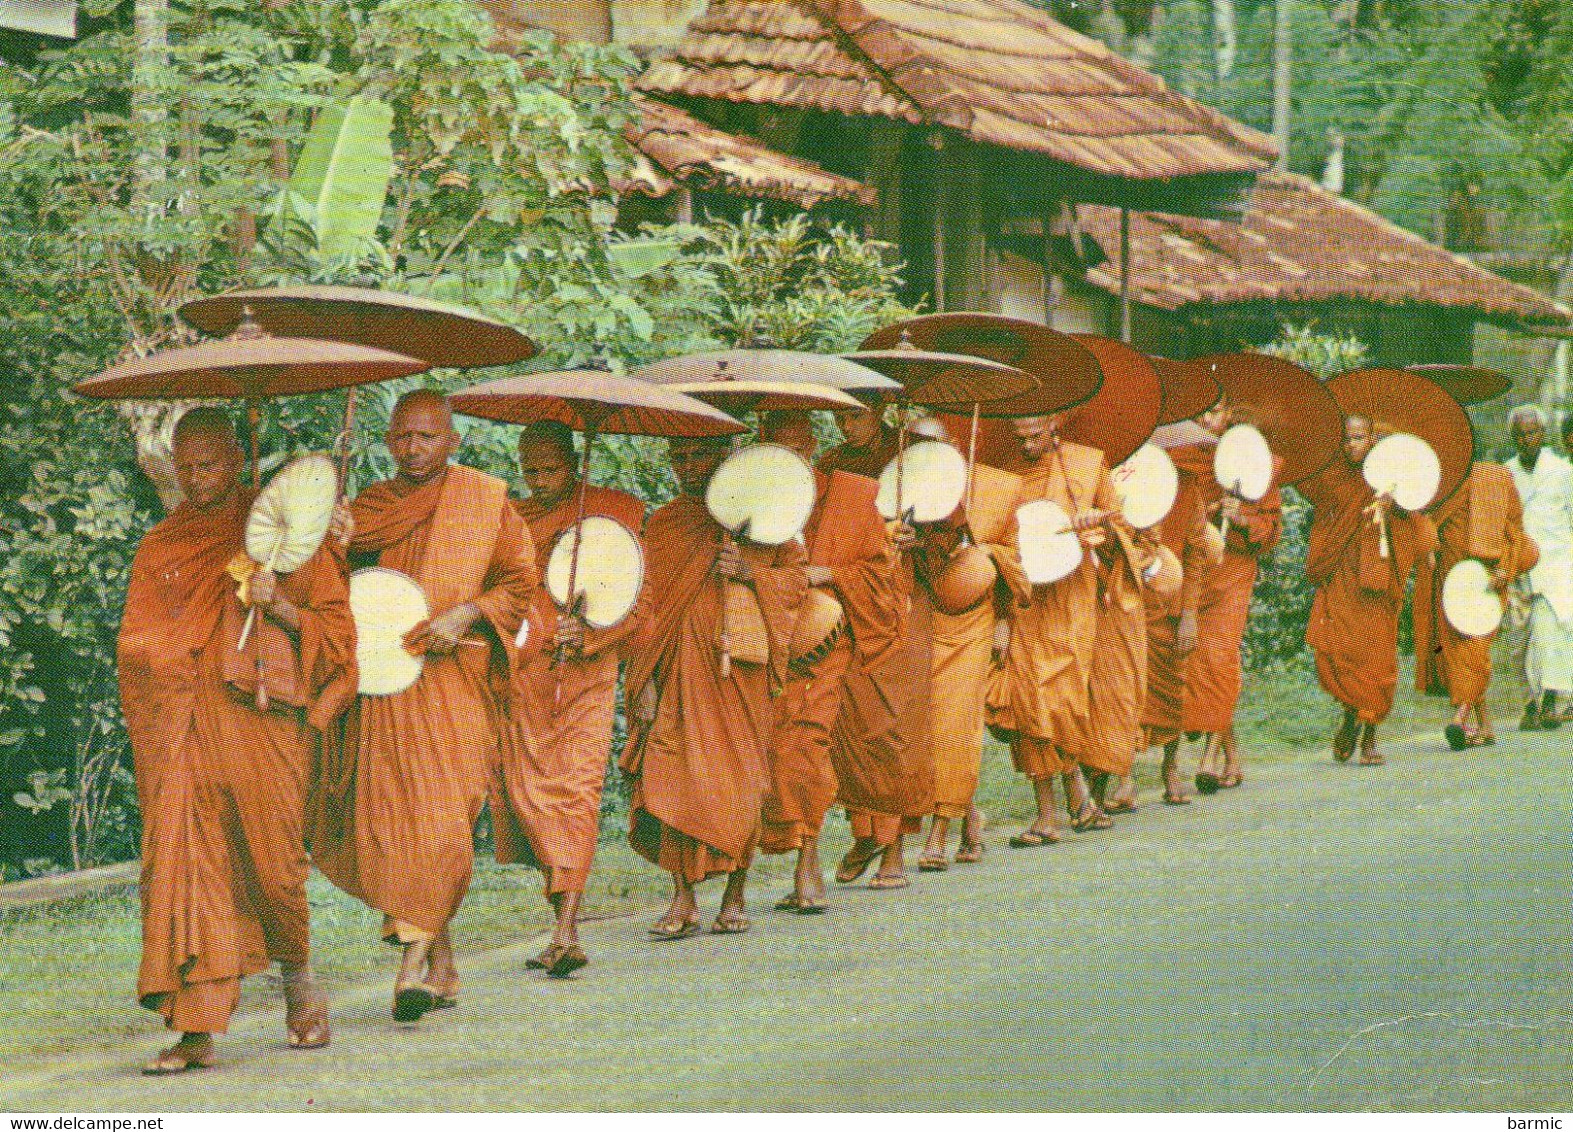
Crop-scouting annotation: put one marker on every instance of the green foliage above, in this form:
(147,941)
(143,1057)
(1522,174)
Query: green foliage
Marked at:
(1325,355)
(341,178)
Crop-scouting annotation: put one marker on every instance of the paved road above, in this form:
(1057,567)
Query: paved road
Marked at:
(1326,937)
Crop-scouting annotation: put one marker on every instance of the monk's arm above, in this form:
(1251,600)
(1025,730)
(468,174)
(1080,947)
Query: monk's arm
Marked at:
(511,577)
(779,577)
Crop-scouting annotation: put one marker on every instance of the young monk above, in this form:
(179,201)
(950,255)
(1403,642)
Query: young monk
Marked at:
(702,721)
(851,558)
(1043,701)
(398,831)
(1354,615)
(222,779)
(546,806)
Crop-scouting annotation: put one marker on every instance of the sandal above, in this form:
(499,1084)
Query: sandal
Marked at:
(932,862)
(447,991)
(1120,806)
(1344,742)
(802,905)
(306,1015)
(176,1060)
(1174,798)
(730,923)
(411,1000)
(1034,839)
(672,928)
(1207,782)
(969,852)
(885,883)
(565,960)
(852,868)
(1090,817)
(1457,737)
(1230,781)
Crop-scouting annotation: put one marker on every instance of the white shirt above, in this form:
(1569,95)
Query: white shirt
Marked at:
(1547,493)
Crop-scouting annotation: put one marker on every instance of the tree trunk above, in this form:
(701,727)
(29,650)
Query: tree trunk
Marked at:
(1226,39)
(1282,54)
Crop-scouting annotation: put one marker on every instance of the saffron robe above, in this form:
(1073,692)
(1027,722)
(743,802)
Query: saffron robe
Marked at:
(222,787)
(1184,532)
(846,534)
(557,739)
(1484,520)
(1107,738)
(1354,615)
(397,820)
(701,767)
(1213,676)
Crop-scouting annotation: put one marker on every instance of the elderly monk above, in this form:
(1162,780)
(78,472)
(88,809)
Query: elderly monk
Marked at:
(1213,671)
(850,559)
(1172,620)
(546,805)
(1545,487)
(1043,701)
(963,651)
(702,720)
(1483,520)
(397,824)
(221,778)
(1359,592)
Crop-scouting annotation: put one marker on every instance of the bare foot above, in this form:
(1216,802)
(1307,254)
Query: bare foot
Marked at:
(192,1051)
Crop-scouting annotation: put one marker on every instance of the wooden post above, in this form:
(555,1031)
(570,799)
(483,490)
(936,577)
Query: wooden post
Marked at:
(1283,22)
(937,142)
(1125,275)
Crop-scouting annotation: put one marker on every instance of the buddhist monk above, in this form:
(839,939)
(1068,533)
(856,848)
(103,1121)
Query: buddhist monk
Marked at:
(397,823)
(1043,700)
(702,719)
(221,774)
(852,561)
(546,807)
(1483,520)
(963,650)
(1172,621)
(881,745)
(1354,615)
(1213,672)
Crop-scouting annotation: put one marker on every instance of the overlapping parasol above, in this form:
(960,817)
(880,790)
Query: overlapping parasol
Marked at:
(1189,390)
(1398,401)
(1468,385)
(1125,410)
(1302,423)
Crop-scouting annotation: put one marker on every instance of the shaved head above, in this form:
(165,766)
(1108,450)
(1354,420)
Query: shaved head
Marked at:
(794,430)
(209,421)
(420,435)
(424,399)
(207,458)
(552,434)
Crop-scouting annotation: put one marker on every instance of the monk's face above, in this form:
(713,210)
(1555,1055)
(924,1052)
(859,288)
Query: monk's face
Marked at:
(1036,435)
(1217,419)
(1359,436)
(797,434)
(859,426)
(207,467)
(421,438)
(694,462)
(547,472)
(1529,437)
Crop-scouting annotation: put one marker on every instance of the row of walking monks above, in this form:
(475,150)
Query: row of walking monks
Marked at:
(726,760)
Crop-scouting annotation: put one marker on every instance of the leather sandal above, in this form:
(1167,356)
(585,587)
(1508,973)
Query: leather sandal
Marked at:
(174,1060)
(412,1000)
(306,1015)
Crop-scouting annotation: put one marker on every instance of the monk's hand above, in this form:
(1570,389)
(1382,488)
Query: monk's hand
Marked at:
(1499,580)
(1089,527)
(904,535)
(644,704)
(1230,509)
(1001,639)
(1185,633)
(341,527)
(729,563)
(262,589)
(820,576)
(441,635)
(569,634)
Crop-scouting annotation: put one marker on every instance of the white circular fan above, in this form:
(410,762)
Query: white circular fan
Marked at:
(1470,604)
(933,478)
(1050,548)
(610,571)
(1146,483)
(385,605)
(290,517)
(1243,463)
(1406,468)
(764,493)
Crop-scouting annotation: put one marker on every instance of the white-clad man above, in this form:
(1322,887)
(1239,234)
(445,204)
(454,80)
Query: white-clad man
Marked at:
(1545,484)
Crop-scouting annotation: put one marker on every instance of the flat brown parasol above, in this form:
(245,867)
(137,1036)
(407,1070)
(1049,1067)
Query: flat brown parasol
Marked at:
(1124,411)
(440,334)
(777,367)
(594,401)
(1189,390)
(748,396)
(937,380)
(1468,385)
(1302,423)
(1396,400)
(1066,372)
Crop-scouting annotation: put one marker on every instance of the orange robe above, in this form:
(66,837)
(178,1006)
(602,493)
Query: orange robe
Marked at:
(869,462)
(1213,671)
(964,644)
(557,741)
(1043,696)
(1483,519)
(1354,616)
(847,535)
(1184,532)
(700,767)
(397,827)
(1107,738)
(222,786)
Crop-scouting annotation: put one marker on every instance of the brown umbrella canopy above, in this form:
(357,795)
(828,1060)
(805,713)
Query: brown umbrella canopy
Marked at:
(1189,390)
(440,334)
(594,401)
(1396,400)
(1302,423)
(767,396)
(778,367)
(1124,412)
(1067,372)
(1468,385)
(941,380)
(248,365)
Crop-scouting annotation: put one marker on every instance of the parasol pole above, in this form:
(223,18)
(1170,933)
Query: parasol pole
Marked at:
(347,441)
(254,427)
(573,560)
(972,451)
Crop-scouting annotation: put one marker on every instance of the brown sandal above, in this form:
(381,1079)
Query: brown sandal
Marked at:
(173,1060)
(306,1015)
(731,923)
(852,868)
(412,1000)
(969,852)
(885,884)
